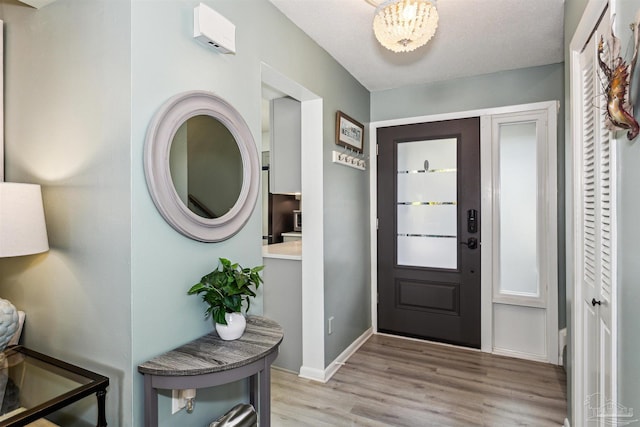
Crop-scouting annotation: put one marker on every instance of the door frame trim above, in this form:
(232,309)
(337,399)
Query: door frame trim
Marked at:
(313,342)
(547,251)
(588,22)
(486,209)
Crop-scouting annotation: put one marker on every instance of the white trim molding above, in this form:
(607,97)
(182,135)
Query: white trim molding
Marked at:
(562,342)
(313,206)
(373,221)
(486,227)
(589,21)
(510,309)
(324,375)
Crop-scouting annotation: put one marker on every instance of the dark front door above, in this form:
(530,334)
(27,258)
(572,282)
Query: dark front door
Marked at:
(429,231)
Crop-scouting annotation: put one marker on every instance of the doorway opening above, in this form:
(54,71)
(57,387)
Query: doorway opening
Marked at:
(500,305)
(428,230)
(313,242)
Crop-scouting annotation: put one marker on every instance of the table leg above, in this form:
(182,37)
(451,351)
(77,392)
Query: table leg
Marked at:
(265,396)
(150,403)
(253,391)
(102,417)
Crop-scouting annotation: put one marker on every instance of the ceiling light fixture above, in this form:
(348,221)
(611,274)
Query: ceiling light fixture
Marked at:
(404,25)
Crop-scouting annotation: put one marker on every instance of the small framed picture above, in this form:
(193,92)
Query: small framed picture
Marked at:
(349,133)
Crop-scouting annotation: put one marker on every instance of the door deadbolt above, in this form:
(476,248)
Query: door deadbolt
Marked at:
(472,221)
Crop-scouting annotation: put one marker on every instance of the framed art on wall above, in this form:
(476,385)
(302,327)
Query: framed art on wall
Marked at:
(349,133)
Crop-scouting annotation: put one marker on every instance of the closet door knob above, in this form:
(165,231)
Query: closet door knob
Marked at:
(594,302)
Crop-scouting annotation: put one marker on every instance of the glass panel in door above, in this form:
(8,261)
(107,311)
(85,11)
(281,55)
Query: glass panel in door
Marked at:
(518,192)
(427,204)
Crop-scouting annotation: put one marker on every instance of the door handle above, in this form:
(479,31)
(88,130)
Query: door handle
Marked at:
(594,302)
(471,243)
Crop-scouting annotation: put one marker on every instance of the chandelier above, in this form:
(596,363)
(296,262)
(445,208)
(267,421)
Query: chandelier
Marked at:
(404,25)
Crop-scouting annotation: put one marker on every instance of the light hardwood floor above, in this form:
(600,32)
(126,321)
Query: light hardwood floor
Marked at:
(396,382)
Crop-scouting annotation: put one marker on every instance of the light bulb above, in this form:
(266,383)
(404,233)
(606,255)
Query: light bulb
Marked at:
(409,12)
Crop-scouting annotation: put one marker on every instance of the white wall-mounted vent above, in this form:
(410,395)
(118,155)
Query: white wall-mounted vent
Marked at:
(213,29)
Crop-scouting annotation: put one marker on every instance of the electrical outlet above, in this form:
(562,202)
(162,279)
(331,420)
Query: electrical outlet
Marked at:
(177,401)
(331,324)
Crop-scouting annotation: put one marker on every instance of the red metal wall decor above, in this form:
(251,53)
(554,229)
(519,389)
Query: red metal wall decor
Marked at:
(619,111)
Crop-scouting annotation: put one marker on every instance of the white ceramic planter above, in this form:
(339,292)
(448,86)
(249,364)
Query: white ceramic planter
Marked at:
(236,324)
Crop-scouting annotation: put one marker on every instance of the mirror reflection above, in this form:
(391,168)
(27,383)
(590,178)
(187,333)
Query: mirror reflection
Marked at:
(206,166)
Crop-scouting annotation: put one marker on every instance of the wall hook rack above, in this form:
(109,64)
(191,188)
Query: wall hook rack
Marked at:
(351,159)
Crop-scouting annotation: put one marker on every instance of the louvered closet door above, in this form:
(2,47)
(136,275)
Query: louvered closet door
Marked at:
(596,192)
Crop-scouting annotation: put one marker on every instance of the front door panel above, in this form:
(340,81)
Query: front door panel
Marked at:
(428,232)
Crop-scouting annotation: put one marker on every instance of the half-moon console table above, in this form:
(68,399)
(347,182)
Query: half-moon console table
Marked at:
(210,361)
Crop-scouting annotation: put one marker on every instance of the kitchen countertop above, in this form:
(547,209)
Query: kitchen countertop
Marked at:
(286,250)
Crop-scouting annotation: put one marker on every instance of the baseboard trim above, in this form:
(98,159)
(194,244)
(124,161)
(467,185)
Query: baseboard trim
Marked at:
(326,374)
(312,374)
(346,354)
(522,355)
(562,342)
(278,368)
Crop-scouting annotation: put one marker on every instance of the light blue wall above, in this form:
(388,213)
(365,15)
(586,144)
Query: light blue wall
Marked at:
(166,60)
(628,235)
(68,124)
(521,86)
(628,273)
(347,246)
(111,292)
(84,78)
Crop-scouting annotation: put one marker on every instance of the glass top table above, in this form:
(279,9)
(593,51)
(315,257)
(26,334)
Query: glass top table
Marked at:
(33,385)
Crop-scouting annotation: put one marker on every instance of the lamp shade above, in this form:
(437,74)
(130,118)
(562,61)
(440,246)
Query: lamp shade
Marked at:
(22,226)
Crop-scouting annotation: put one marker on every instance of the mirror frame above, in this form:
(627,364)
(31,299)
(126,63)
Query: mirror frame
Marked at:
(171,115)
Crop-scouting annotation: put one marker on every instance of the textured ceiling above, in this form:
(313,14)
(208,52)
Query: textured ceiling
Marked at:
(473,37)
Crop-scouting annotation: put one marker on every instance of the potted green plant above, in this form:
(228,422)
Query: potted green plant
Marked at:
(224,290)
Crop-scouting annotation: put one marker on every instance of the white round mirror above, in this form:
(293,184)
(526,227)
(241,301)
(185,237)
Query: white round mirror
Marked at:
(201,166)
